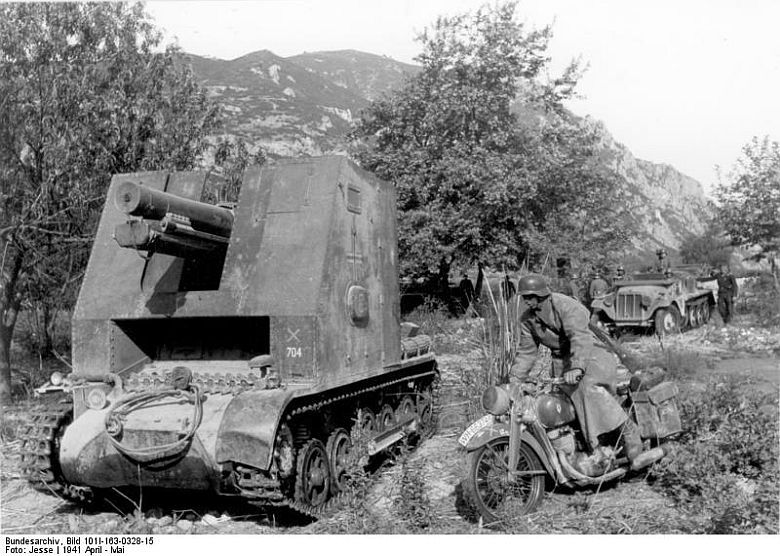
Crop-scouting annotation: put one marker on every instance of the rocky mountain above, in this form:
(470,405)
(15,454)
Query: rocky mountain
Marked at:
(368,74)
(666,204)
(302,105)
(305,104)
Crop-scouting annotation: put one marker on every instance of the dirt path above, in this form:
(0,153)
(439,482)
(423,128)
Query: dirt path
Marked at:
(439,461)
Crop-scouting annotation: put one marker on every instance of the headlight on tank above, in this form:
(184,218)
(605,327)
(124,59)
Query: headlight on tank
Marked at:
(56,378)
(96,398)
(495,400)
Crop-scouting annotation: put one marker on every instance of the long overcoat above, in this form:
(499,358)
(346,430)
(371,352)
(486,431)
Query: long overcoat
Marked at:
(561,324)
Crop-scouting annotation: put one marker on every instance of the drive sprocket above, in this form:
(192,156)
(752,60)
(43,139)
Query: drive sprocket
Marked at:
(40,465)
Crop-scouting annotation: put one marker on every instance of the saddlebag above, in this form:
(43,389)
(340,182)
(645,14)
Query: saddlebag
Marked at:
(656,410)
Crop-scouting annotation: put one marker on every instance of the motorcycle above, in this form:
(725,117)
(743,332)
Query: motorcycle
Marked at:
(530,435)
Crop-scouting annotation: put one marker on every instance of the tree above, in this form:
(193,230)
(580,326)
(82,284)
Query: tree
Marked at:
(231,158)
(749,199)
(86,91)
(712,248)
(483,155)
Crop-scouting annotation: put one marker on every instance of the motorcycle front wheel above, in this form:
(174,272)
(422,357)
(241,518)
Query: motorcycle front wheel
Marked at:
(495,497)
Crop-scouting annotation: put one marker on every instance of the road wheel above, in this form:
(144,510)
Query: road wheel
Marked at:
(488,486)
(405,410)
(706,311)
(386,418)
(694,315)
(368,423)
(339,447)
(312,480)
(667,321)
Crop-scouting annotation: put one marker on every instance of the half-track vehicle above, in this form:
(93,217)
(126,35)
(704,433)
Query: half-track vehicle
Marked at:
(667,301)
(236,350)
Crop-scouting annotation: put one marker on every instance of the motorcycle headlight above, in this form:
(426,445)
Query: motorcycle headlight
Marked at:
(495,400)
(56,378)
(96,398)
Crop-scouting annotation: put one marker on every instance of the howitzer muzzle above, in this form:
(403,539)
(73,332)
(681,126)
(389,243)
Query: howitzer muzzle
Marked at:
(150,204)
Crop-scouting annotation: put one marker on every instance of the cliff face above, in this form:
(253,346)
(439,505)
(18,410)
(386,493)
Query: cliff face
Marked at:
(668,205)
(306,104)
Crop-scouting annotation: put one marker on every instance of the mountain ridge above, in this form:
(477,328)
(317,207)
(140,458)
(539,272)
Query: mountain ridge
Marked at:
(304,105)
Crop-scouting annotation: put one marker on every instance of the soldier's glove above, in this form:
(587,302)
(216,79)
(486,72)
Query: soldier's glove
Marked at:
(528,387)
(573,376)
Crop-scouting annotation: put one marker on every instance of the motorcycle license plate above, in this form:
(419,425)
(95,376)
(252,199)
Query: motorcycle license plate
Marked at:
(474,428)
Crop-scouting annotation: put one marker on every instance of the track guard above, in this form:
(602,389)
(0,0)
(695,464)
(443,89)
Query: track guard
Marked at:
(246,434)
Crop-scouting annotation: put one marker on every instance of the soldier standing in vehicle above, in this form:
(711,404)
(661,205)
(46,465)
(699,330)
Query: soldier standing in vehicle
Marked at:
(663,263)
(727,291)
(589,369)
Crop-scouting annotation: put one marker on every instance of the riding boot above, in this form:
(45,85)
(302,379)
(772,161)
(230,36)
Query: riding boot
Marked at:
(632,442)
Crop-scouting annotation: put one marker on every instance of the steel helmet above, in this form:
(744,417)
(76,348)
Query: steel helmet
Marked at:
(533,284)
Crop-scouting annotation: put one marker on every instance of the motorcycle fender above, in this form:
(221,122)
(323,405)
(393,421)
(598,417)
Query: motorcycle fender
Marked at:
(248,429)
(498,430)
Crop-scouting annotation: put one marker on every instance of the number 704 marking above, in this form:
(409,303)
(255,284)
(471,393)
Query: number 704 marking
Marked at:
(294,351)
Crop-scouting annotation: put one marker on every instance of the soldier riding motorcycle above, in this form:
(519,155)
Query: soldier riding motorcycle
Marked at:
(578,428)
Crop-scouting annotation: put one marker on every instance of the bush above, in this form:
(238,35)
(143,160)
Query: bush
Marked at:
(761,299)
(726,464)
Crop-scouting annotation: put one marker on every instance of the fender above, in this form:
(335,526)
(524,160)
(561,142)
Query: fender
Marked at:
(498,430)
(246,434)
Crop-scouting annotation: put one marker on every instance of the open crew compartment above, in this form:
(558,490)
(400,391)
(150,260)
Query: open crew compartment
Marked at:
(194,339)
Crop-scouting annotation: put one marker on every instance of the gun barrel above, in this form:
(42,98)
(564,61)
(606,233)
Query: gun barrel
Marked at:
(137,200)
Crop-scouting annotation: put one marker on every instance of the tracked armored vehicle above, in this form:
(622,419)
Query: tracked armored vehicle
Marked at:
(668,302)
(236,349)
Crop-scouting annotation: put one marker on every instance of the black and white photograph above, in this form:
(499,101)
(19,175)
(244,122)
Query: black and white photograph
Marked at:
(379,276)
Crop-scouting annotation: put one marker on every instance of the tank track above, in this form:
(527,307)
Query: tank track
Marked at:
(333,504)
(342,499)
(40,444)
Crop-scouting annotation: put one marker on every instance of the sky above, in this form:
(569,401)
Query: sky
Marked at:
(680,82)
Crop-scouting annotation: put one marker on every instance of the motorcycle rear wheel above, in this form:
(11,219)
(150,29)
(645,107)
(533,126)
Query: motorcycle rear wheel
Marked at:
(496,499)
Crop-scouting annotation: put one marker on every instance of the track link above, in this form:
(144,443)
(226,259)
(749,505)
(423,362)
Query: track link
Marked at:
(40,438)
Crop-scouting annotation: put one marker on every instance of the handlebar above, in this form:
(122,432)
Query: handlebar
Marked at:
(546,380)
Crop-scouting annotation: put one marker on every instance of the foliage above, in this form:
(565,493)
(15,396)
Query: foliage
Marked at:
(231,158)
(710,248)
(726,466)
(749,198)
(761,300)
(86,91)
(484,158)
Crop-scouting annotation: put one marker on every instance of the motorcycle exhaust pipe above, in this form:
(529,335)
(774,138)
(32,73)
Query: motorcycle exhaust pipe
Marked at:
(583,480)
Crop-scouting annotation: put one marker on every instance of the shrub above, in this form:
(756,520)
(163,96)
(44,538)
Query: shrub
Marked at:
(726,464)
(762,300)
